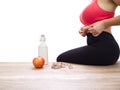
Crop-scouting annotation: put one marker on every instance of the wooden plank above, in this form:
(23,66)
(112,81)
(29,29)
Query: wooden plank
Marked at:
(23,76)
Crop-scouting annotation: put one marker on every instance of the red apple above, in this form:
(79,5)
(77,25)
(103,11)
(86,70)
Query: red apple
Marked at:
(38,62)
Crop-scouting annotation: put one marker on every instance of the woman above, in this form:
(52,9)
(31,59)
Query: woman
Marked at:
(102,48)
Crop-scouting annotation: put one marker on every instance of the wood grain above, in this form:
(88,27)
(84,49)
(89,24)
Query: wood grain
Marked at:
(23,76)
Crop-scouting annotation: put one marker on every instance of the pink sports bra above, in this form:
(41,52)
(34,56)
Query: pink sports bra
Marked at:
(93,13)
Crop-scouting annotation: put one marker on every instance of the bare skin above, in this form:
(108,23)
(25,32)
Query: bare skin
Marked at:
(103,25)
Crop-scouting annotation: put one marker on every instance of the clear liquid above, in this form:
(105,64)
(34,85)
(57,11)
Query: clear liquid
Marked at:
(43,52)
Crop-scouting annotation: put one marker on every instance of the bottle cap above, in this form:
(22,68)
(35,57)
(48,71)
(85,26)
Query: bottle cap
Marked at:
(42,37)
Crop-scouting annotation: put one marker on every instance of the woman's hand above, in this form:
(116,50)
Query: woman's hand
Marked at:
(83,31)
(96,28)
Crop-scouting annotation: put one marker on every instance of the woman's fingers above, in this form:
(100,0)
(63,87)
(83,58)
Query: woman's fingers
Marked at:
(93,31)
(82,33)
(88,29)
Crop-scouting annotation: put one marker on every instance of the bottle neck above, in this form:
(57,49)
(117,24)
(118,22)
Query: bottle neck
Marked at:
(43,41)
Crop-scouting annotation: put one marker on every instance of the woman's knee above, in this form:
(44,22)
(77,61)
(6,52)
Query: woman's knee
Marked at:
(59,59)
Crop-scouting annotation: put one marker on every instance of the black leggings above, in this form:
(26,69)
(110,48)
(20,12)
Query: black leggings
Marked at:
(101,50)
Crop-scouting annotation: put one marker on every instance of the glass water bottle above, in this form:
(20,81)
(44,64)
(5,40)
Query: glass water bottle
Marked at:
(43,49)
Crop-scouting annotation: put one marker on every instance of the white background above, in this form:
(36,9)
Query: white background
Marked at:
(23,21)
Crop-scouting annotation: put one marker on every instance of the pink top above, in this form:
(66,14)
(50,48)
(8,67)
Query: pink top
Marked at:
(93,13)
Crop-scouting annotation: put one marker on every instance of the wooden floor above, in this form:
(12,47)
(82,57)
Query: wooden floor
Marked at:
(23,76)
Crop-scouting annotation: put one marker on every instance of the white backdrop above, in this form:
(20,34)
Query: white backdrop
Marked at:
(23,21)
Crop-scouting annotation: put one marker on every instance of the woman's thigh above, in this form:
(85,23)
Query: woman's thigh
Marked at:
(81,55)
